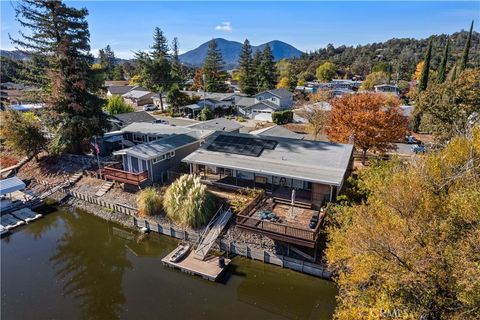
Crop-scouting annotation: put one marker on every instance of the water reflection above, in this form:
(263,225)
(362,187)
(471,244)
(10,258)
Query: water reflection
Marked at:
(91,261)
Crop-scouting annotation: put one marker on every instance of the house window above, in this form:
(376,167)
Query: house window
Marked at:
(259,98)
(170,155)
(150,138)
(159,159)
(274,99)
(137,138)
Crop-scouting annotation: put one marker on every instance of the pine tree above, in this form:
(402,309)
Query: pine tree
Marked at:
(59,38)
(466,51)
(107,61)
(247,73)
(268,72)
(213,69)
(423,81)
(160,43)
(177,72)
(256,62)
(442,71)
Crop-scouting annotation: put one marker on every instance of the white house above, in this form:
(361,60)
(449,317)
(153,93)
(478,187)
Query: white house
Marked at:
(265,103)
(387,88)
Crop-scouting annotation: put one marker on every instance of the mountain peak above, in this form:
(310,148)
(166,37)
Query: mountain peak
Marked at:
(231,52)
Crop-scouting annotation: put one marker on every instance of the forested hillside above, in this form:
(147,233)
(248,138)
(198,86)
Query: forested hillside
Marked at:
(402,55)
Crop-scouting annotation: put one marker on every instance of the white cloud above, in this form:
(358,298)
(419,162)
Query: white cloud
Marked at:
(224,26)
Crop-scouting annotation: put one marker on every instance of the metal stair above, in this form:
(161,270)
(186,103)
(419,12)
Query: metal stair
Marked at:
(211,233)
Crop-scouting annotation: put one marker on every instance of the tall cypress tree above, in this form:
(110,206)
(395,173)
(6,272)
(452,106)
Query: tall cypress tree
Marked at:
(213,69)
(442,71)
(423,82)
(247,73)
(59,37)
(177,72)
(466,51)
(155,68)
(256,63)
(107,60)
(268,71)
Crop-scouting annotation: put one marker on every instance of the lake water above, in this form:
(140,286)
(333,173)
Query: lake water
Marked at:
(73,265)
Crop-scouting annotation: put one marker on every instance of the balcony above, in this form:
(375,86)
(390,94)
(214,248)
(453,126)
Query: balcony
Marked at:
(115,172)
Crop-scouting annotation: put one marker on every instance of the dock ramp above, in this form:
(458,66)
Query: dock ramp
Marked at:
(211,232)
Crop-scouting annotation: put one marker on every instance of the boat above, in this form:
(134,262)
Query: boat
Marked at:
(179,253)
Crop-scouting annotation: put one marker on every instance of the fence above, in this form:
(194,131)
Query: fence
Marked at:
(241,250)
(117,207)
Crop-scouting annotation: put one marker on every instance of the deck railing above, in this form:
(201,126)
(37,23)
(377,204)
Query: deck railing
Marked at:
(115,172)
(288,233)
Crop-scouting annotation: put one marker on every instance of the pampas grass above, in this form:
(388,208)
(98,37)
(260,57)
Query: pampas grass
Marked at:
(149,202)
(188,203)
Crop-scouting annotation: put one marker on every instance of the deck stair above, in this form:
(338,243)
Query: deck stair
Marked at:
(104,188)
(68,182)
(299,204)
(211,232)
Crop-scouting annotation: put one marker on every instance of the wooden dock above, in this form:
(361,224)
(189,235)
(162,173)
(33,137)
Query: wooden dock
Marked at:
(208,268)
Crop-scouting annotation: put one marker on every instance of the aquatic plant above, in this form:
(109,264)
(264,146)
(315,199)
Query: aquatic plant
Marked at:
(149,202)
(188,203)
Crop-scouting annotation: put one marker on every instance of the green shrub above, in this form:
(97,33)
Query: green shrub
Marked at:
(240,119)
(282,117)
(149,202)
(116,105)
(188,203)
(206,114)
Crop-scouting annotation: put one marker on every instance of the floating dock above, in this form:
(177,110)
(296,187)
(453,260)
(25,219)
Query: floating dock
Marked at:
(209,268)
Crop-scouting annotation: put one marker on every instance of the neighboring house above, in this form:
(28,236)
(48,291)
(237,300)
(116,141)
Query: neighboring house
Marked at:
(115,90)
(12,86)
(218,124)
(138,96)
(121,120)
(211,100)
(156,101)
(148,150)
(277,131)
(341,92)
(344,84)
(27,107)
(266,103)
(387,88)
(152,160)
(316,170)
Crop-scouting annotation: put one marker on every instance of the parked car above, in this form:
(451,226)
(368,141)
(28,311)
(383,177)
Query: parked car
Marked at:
(419,148)
(161,121)
(149,107)
(412,140)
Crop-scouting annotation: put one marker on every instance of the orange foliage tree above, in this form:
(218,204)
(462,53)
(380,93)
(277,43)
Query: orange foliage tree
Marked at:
(372,120)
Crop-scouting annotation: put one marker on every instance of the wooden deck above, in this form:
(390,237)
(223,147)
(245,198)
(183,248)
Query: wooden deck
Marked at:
(115,172)
(207,268)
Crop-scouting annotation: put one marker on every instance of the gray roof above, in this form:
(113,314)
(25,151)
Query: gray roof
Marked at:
(277,131)
(220,96)
(245,102)
(266,103)
(147,151)
(11,185)
(119,89)
(219,124)
(314,161)
(137,94)
(131,117)
(159,129)
(281,93)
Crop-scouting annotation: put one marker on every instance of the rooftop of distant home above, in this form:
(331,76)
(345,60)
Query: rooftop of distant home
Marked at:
(163,130)
(277,131)
(314,161)
(218,124)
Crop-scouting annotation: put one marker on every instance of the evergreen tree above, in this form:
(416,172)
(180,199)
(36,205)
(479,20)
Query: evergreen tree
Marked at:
(466,51)
(59,38)
(247,73)
(155,70)
(107,61)
(256,62)
(118,73)
(177,72)
(268,72)
(442,71)
(453,74)
(423,81)
(160,44)
(213,69)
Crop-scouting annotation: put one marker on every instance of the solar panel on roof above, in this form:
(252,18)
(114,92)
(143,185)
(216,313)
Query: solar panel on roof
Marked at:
(241,145)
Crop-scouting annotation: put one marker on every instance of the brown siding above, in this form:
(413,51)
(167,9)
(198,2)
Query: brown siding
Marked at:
(320,192)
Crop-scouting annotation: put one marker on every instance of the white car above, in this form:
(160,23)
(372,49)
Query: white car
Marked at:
(149,107)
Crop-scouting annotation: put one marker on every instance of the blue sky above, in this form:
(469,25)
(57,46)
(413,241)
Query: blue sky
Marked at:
(127,26)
